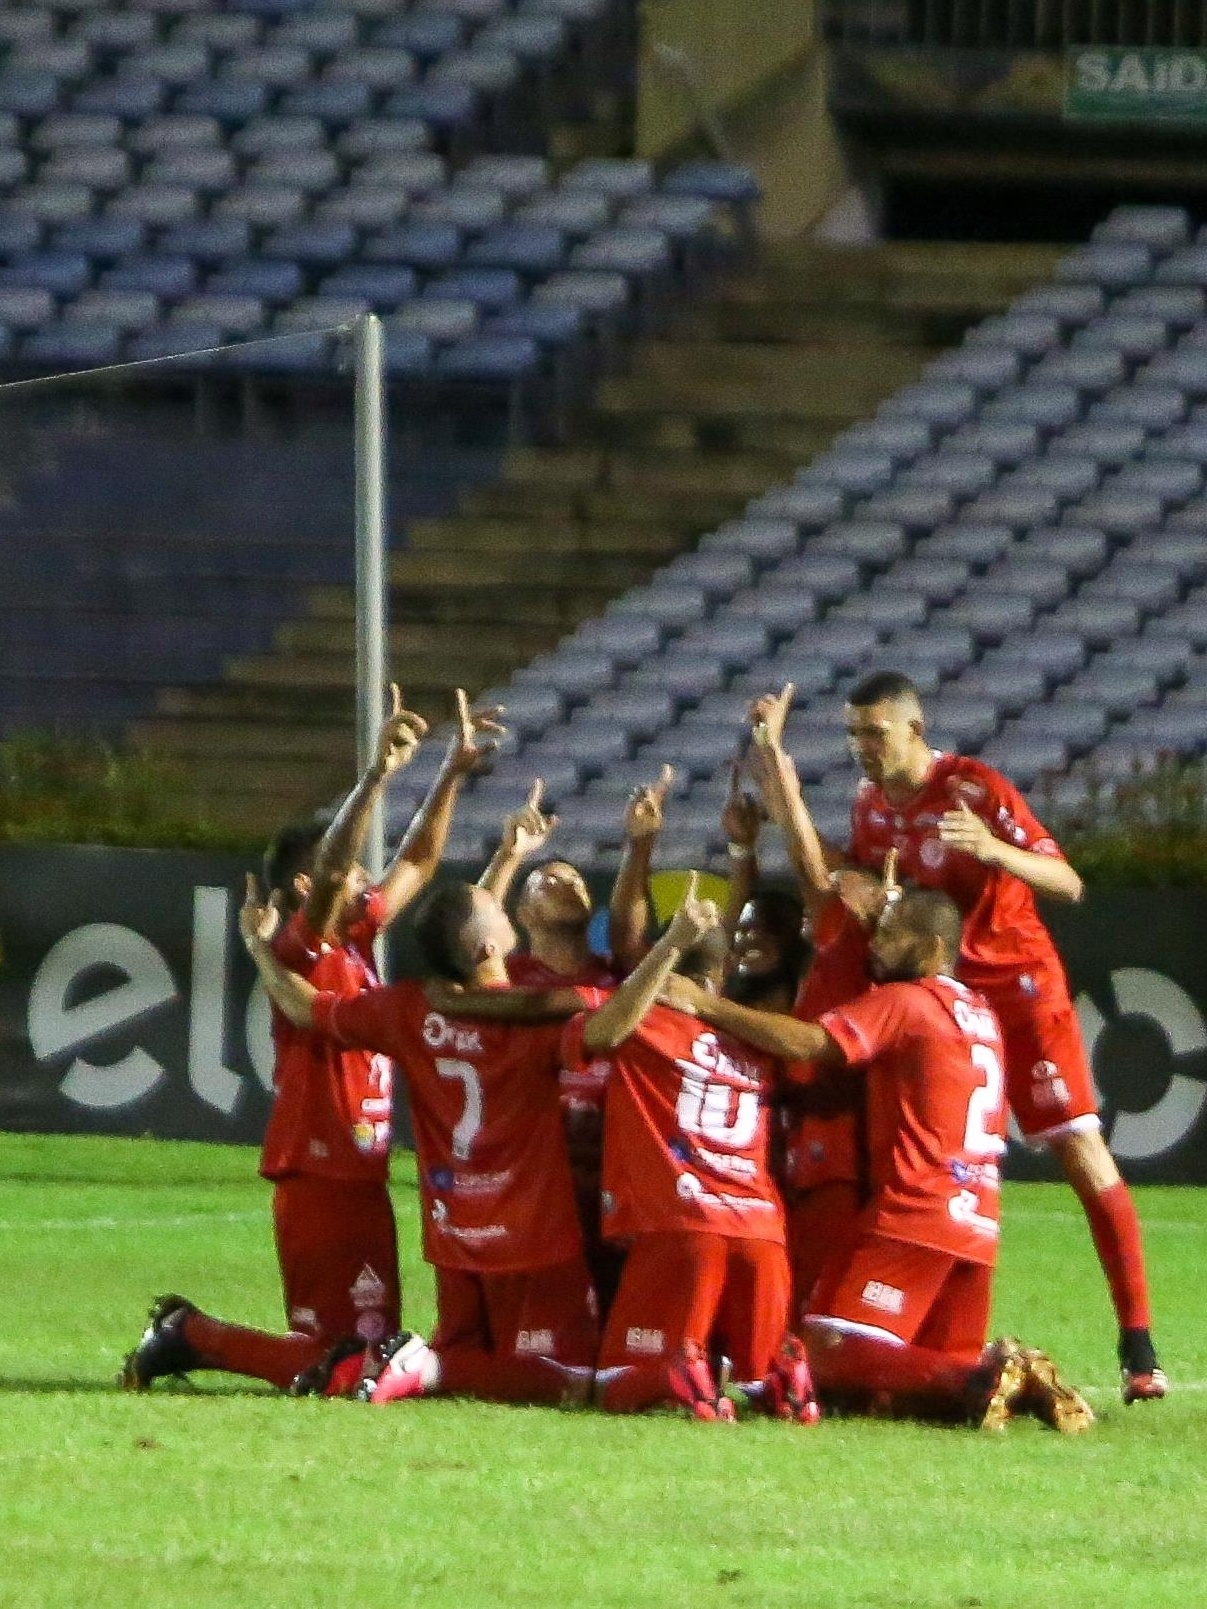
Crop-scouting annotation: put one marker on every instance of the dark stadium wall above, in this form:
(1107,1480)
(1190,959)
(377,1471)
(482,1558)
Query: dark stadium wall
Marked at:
(127,1005)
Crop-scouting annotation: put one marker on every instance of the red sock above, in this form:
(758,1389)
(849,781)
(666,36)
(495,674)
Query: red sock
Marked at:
(1115,1226)
(467,1371)
(275,1358)
(843,1364)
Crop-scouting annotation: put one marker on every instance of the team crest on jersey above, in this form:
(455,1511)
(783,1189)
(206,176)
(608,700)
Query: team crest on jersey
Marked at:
(932,853)
(679,1149)
(965,788)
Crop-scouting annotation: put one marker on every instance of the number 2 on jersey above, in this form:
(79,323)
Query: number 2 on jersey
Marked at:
(465,1129)
(984,1104)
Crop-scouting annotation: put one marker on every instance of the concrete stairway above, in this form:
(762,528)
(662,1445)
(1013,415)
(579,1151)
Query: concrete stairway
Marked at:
(742,389)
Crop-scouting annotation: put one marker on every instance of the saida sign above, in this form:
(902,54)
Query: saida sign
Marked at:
(1149,85)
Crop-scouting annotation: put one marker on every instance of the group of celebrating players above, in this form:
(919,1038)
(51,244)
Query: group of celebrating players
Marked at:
(755,1160)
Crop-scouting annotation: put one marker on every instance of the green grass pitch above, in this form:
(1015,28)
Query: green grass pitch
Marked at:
(227,1496)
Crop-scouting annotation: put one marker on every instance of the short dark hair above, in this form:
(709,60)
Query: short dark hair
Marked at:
(290,852)
(882,685)
(439,921)
(783,913)
(930,911)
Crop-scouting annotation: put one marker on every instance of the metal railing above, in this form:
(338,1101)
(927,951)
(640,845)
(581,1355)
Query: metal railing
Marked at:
(1015,24)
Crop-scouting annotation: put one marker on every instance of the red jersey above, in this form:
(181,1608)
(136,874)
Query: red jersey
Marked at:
(686,1132)
(331,1116)
(820,1148)
(494,1178)
(582,1088)
(936,1116)
(1005,943)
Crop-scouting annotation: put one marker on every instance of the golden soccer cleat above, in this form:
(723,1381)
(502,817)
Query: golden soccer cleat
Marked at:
(1009,1378)
(1052,1401)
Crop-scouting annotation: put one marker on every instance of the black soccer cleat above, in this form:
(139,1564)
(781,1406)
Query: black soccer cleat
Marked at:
(325,1378)
(163,1349)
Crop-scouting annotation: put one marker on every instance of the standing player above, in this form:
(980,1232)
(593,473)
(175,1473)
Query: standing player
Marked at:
(901,1323)
(515,1307)
(326,1149)
(960,826)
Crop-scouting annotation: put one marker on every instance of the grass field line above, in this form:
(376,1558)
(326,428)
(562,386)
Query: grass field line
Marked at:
(1075,1215)
(179,1220)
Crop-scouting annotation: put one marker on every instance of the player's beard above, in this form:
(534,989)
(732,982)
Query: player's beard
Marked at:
(754,988)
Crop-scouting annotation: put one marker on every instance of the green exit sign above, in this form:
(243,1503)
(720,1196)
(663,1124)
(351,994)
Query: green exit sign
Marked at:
(1154,84)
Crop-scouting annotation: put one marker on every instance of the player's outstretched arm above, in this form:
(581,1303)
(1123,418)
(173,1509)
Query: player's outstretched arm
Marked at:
(779,784)
(1052,875)
(619,1016)
(503,1005)
(474,740)
(525,833)
(629,910)
(291,994)
(399,738)
(766,1030)
(741,821)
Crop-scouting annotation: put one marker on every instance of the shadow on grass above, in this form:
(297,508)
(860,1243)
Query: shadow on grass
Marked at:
(43,1387)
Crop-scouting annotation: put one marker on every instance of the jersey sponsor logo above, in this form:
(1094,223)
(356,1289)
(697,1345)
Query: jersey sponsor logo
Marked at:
(737,1167)
(534,1341)
(690,1188)
(441,1178)
(481,1184)
(646,1343)
(884,1298)
(440,1034)
(1049,1090)
(471,1234)
(366,1136)
(965,1209)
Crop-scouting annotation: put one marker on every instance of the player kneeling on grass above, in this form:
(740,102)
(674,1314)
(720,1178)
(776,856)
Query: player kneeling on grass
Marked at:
(899,1326)
(515,1309)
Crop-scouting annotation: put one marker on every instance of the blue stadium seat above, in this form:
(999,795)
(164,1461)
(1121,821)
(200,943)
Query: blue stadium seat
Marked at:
(1071,305)
(809,508)
(19,235)
(470,208)
(262,206)
(493,288)
(229,100)
(1031,334)
(382,67)
(25,308)
(483,72)
(852,469)
(447,107)
(972,544)
(276,283)
(602,296)
(132,98)
(320,33)
(1133,337)
(427,35)
(1065,475)
(174,131)
(221,31)
(233,315)
(962,474)
(984,366)
(1179,306)
(728,182)
(765,541)
(104,169)
(1004,441)
(413,173)
(317,245)
(28,94)
(440,321)
(50,203)
(157,205)
(382,136)
(991,616)
(311,172)
(407,353)
(61,273)
(166,277)
(427,247)
(1153,407)
(529,249)
(68,346)
(519,178)
(362,208)
(125,311)
(209,240)
(1161,228)
(945,403)
(210,171)
(1050,407)
(1113,265)
(383,287)
(1099,619)
(320,313)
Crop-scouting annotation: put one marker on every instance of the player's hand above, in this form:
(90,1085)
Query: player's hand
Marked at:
(768,715)
(526,831)
(694,918)
(400,735)
(964,830)
(475,737)
(742,815)
(643,818)
(259,919)
(683,994)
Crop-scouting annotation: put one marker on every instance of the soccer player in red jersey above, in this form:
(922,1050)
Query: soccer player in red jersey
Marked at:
(900,1325)
(958,825)
(687,1187)
(516,1317)
(326,1148)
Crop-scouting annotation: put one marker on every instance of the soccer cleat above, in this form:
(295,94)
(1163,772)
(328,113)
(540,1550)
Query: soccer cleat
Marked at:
(692,1384)
(1142,1377)
(1147,1386)
(788,1385)
(1000,1385)
(403,1360)
(163,1349)
(1050,1400)
(337,1373)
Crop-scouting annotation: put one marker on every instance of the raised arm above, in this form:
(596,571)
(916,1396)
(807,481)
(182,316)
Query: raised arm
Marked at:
(741,820)
(617,1018)
(766,1030)
(629,911)
(780,787)
(399,738)
(525,833)
(1052,875)
(503,1005)
(291,994)
(423,843)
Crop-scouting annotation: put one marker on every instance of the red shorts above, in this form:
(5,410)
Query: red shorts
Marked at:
(727,1294)
(822,1224)
(910,1294)
(541,1312)
(339,1256)
(1048,1081)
